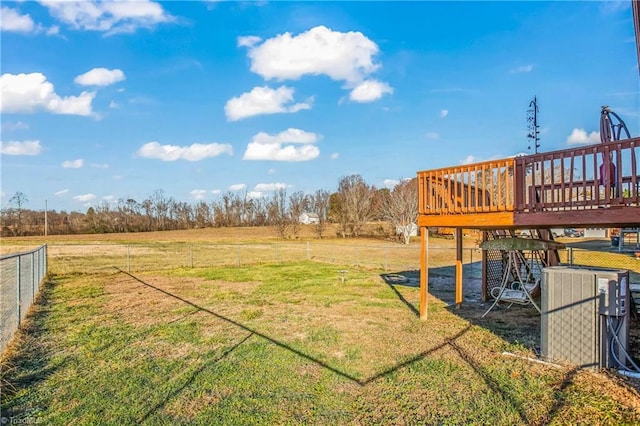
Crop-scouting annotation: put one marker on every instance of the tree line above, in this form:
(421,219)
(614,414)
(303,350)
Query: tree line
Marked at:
(351,207)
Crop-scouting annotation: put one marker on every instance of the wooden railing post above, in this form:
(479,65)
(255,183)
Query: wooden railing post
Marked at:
(519,184)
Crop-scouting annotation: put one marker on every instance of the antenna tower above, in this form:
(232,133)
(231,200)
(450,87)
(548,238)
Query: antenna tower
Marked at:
(532,125)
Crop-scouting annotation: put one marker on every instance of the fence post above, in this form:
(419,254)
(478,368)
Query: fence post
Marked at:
(33,276)
(570,256)
(40,274)
(191,255)
(18,287)
(44,261)
(386,266)
(238,254)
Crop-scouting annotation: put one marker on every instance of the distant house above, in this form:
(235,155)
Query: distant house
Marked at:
(411,229)
(596,233)
(309,218)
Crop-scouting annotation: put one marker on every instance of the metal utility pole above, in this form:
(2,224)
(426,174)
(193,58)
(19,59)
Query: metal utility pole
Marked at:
(532,125)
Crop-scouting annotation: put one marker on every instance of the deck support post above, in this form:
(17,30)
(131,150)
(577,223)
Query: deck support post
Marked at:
(424,270)
(458,267)
(485,295)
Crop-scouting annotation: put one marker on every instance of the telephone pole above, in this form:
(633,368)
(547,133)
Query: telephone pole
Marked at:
(46,223)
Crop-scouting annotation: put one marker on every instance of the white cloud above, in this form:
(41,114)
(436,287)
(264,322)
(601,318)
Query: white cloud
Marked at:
(469,159)
(432,135)
(31,92)
(248,41)
(369,91)
(444,113)
(12,21)
(342,56)
(19,125)
(279,147)
(263,100)
(198,194)
(580,136)
(255,194)
(73,164)
(521,69)
(61,193)
(85,198)
(21,148)
(53,30)
(390,183)
(335,156)
(237,187)
(100,77)
(111,17)
(194,152)
(109,198)
(262,187)
(271,171)
(216,191)
(113,105)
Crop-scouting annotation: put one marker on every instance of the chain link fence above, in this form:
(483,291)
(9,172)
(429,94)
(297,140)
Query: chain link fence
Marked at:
(90,258)
(21,276)
(22,273)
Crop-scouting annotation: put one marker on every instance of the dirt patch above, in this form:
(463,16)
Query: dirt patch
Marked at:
(140,304)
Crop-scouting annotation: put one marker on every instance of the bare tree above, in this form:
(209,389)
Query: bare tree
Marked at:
(355,200)
(18,200)
(202,214)
(277,208)
(297,206)
(400,208)
(160,206)
(320,206)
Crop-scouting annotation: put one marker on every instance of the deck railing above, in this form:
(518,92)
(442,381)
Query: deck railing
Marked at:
(473,188)
(582,178)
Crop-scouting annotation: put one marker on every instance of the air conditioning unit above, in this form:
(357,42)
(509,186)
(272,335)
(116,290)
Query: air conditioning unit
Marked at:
(585,319)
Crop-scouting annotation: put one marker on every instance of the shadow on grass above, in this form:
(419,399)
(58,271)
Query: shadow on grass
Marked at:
(451,342)
(402,279)
(561,401)
(26,361)
(519,325)
(192,377)
(298,352)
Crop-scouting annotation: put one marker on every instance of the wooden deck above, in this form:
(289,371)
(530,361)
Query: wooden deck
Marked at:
(587,186)
(564,188)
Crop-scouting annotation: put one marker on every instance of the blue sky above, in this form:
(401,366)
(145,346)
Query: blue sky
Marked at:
(109,100)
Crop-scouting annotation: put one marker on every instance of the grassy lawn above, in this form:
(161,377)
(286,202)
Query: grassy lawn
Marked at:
(280,343)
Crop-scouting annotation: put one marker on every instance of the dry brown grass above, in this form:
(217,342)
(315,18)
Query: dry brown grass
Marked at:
(356,348)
